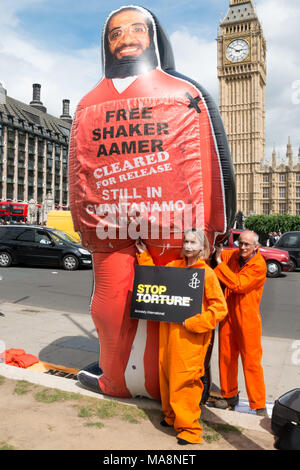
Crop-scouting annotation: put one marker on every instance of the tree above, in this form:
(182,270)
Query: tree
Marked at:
(264,224)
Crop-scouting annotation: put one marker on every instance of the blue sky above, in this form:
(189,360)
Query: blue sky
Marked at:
(57,43)
(78,23)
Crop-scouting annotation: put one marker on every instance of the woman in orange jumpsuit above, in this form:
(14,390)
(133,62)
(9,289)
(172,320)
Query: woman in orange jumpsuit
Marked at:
(182,347)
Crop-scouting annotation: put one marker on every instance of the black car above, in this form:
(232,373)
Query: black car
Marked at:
(290,241)
(36,245)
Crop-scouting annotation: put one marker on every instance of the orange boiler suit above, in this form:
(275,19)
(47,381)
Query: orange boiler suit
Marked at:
(240,332)
(182,350)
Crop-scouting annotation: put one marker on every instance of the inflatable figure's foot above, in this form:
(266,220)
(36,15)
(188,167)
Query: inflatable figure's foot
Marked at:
(89,378)
(165,424)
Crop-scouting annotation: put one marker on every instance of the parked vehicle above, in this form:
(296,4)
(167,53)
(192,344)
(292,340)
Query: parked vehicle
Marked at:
(36,245)
(277,260)
(62,220)
(290,241)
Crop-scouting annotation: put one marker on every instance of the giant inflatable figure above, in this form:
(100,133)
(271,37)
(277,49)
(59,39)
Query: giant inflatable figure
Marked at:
(148,158)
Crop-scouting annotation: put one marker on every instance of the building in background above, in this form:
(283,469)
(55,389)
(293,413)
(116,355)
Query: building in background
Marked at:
(33,156)
(264,184)
(280,184)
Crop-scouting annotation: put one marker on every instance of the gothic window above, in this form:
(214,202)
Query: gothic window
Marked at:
(266,209)
(282,208)
(297,192)
(266,178)
(282,192)
(282,178)
(298,208)
(266,193)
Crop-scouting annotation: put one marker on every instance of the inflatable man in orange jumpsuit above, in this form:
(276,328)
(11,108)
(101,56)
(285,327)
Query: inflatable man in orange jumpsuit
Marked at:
(182,347)
(243,272)
(148,158)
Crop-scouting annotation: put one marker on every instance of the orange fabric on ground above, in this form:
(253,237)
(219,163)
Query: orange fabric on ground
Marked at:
(182,351)
(240,332)
(19,358)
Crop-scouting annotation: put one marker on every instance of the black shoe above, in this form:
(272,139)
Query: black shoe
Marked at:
(262,412)
(165,424)
(182,442)
(89,381)
(93,369)
(227,403)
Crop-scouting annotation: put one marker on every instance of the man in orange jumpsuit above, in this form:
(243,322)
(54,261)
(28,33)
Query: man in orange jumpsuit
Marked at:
(182,347)
(243,272)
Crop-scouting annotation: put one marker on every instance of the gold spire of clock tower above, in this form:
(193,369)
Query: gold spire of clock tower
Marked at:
(242,81)
(238,2)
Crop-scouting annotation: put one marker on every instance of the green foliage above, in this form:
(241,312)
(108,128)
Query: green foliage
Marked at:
(264,224)
(5,446)
(23,387)
(49,395)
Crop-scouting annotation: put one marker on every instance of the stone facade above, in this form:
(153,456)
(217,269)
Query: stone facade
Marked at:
(33,151)
(280,184)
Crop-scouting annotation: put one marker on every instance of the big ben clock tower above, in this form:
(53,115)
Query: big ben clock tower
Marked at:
(242,81)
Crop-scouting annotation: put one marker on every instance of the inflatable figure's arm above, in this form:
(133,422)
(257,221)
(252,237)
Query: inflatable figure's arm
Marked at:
(74,186)
(223,151)
(225,157)
(214,306)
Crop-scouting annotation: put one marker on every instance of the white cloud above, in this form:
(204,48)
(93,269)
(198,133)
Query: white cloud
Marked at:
(196,58)
(25,62)
(280,22)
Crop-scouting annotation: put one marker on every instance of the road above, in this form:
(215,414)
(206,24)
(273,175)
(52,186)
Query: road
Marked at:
(71,291)
(68,291)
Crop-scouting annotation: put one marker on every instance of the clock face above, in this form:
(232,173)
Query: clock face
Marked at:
(237,50)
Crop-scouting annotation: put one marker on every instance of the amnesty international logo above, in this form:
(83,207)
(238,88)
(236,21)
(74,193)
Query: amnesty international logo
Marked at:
(194,283)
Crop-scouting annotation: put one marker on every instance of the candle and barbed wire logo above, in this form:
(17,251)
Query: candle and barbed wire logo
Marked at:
(194,282)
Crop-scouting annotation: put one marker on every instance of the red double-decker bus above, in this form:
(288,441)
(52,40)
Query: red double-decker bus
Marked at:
(14,211)
(18,211)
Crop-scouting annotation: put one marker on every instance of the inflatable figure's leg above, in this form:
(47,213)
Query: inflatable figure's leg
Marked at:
(128,347)
(206,379)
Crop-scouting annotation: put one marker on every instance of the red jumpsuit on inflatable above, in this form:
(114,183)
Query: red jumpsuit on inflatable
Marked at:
(148,158)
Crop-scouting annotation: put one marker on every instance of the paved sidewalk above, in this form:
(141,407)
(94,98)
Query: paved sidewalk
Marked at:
(70,340)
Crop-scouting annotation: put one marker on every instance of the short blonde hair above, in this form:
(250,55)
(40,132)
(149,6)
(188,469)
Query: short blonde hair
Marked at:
(205,251)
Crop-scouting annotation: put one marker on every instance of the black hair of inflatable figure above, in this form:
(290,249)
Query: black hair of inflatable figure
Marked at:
(163,58)
(165,61)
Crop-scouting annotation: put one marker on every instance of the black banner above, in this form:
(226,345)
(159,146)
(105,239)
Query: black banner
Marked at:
(167,294)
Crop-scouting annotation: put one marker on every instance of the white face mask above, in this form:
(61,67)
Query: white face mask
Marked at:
(191,245)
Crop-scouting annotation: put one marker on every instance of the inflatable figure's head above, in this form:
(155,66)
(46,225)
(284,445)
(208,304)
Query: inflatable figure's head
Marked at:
(133,42)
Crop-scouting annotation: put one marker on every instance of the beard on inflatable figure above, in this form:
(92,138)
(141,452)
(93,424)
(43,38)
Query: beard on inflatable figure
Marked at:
(148,159)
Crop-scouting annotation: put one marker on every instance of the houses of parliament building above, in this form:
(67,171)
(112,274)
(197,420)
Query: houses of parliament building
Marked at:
(34,144)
